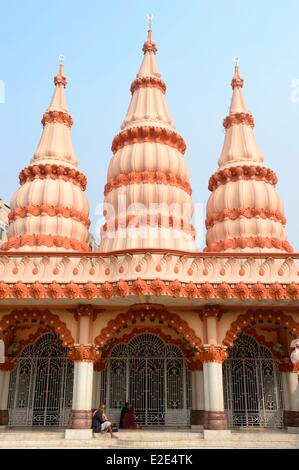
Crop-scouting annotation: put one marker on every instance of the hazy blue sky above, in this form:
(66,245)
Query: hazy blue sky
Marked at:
(197,41)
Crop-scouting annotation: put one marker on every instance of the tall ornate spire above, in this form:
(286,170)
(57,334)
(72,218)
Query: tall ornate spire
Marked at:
(148,195)
(49,211)
(244,211)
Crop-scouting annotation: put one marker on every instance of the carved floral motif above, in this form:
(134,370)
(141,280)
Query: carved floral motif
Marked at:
(144,177)
(238,118)
(142,134)
(249,242)
(248,213)
(52,211)
(213,354)
(244,172)
(83,353)
(45,240)
(148,82)
(57,116)
(54,172)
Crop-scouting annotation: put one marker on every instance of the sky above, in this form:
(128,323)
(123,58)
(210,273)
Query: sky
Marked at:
(197,42)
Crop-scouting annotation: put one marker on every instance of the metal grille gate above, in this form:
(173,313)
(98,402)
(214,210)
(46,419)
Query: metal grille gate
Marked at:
(41,385)
(252,386)
(153,377)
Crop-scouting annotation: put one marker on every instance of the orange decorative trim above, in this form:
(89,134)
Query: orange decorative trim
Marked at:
(250,242)
(57,116)
(153,220)
(210,311)
(125,339)
(46,240)
(60,79)
(52,211)
(255,318)
(85,311)
(33,317)
(140,314)
(137,135)
(54,172)
(83,353)
(238,118)
(287,366)
(247,212)
(195,365)
(145,177)
(8,365)
(157,287)
(244,172)
(148,82)
(213,354)
(149,45)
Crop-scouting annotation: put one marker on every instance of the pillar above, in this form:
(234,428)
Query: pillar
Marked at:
(290,386)
(197,411)
(4,389)
(84,354)
(96,394)
(215,417)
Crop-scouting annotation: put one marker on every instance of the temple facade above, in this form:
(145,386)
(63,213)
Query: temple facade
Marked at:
(189,338)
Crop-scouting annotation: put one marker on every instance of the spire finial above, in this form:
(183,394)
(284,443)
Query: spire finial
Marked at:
(237,81)
(149,45)
(60,79)
(150,18)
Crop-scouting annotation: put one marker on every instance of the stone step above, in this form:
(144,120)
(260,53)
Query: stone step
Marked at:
(8,435)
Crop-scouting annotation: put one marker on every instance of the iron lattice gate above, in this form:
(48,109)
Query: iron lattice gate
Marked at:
(152,376)
(41,385)
(252,386)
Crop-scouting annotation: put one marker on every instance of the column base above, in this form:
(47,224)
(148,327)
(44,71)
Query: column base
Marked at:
(80,419)
(78,434)
(197,417)
(215,420)
(291,419)
(4,418)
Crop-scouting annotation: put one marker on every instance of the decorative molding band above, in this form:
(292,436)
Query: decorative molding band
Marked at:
(249,242)
(152,220)
(83,353)
(57,116)
(252,318)
(238,118)
(247,212)
(54,172)
(148,82)
(213,354)
(135,135)
(144,177)
(49,241)
(60,80)
(34,317)
(245,172)
(288,366)
(149,46)
(153,314)
(156,287)
(52,211)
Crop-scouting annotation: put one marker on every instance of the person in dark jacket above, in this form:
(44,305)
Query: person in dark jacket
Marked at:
(100,422)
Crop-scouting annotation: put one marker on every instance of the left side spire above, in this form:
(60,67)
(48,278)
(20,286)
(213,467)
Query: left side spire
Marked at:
(49,211)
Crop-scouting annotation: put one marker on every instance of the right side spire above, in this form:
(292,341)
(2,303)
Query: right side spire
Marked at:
(244,211)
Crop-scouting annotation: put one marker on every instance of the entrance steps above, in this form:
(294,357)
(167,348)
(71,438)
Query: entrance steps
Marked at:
(143,439)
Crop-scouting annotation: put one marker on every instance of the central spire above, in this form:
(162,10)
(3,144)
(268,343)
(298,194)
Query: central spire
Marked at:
(148,195)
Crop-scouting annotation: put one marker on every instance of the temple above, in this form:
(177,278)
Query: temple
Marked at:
(190,339)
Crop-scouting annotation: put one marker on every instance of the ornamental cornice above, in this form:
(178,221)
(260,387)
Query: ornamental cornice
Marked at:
(246,212)
(148,82)
(238,118)
(52,211)
(41,171)
(250,242)
(60,117)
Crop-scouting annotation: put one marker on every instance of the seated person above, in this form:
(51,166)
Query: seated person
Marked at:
(100,422)
(127,418)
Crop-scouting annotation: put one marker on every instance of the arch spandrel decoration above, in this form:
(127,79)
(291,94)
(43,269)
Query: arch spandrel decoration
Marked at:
(35,318)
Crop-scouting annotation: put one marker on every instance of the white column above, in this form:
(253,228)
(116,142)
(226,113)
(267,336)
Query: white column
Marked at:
(83,375)
(290,388)
(213,386)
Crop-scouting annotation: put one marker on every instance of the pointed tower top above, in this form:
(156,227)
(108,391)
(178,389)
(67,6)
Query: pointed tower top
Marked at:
(60,78)
(149,45)
(237,81)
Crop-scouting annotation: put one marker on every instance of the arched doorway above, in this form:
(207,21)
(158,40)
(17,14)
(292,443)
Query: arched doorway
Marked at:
(151,375)
(252,386)
(41,385)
